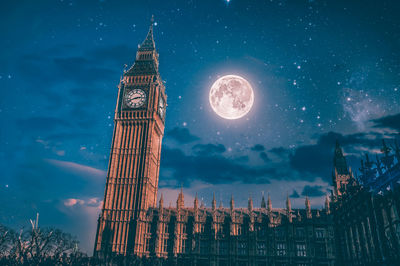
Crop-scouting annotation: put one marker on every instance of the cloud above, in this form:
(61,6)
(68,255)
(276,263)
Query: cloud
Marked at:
(73,202)
(181,135)
(294,194)
(208,149)
(78,168)
(257,147)
(390,121)
(82,70)
(117,54)
(279,151)
(313,191)
(41,123)
(210,167)
(92,202)
(317,159)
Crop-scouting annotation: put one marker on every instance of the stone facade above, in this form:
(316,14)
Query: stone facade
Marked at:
(133,170)
(238,236)
(360,224)
(132,226)
(366,211)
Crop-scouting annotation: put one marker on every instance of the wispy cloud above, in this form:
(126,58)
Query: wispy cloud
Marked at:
(78,168)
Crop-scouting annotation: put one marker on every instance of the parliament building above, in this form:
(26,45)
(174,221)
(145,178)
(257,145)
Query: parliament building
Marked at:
(133,228)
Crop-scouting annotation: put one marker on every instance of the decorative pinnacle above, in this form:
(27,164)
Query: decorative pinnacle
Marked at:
(214,202)
(148,43)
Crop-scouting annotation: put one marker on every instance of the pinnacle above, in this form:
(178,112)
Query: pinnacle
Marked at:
(148,44)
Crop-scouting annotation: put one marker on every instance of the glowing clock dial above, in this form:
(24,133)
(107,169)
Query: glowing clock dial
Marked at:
(135,98)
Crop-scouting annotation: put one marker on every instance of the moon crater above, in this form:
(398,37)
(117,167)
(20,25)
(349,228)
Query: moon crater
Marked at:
(231,97)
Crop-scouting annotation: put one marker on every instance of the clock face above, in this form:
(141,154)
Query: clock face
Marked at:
(161,107)
(135,98)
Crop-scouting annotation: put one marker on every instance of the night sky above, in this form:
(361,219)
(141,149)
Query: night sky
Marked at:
(320,70)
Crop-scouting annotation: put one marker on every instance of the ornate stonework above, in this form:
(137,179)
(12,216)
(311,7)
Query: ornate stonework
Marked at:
(132,226)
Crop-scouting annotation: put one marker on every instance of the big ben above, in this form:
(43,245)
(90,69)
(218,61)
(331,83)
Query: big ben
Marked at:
(133,170)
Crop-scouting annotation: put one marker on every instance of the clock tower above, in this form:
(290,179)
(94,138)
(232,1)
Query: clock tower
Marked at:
(133,170)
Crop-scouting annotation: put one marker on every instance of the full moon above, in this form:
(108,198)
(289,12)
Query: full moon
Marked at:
(231,97)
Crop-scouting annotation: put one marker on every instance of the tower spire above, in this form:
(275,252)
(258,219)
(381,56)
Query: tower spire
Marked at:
(180,204)
(232,203)
(339,161)
(263,204)
(148,43)
(196,202)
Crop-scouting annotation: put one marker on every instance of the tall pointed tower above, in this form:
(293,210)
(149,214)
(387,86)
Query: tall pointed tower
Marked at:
(341,175)
(132,177)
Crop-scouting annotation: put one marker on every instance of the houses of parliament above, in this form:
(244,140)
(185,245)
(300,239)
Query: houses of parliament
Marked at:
(359,224)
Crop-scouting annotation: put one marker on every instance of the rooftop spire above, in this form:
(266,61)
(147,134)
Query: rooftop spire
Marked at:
(214,202)
(288,208)
(232,203)
(196,202)
(250,204)
(263,204)
(180,201)
(327,207)
(269,204)
(308,208)
(288,204)
(161,202)
(148,43)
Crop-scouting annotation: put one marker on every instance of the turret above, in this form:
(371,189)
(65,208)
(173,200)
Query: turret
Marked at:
(196,202)
(263,204)
(180,204)
(339,161)
(288,208)
(232,203)
(250,204)
(308,208)
(269,204)
(214,203)
(341,171)
(161,202)
(327,205)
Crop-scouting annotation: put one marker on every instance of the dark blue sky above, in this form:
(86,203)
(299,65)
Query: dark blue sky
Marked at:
(321,71)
